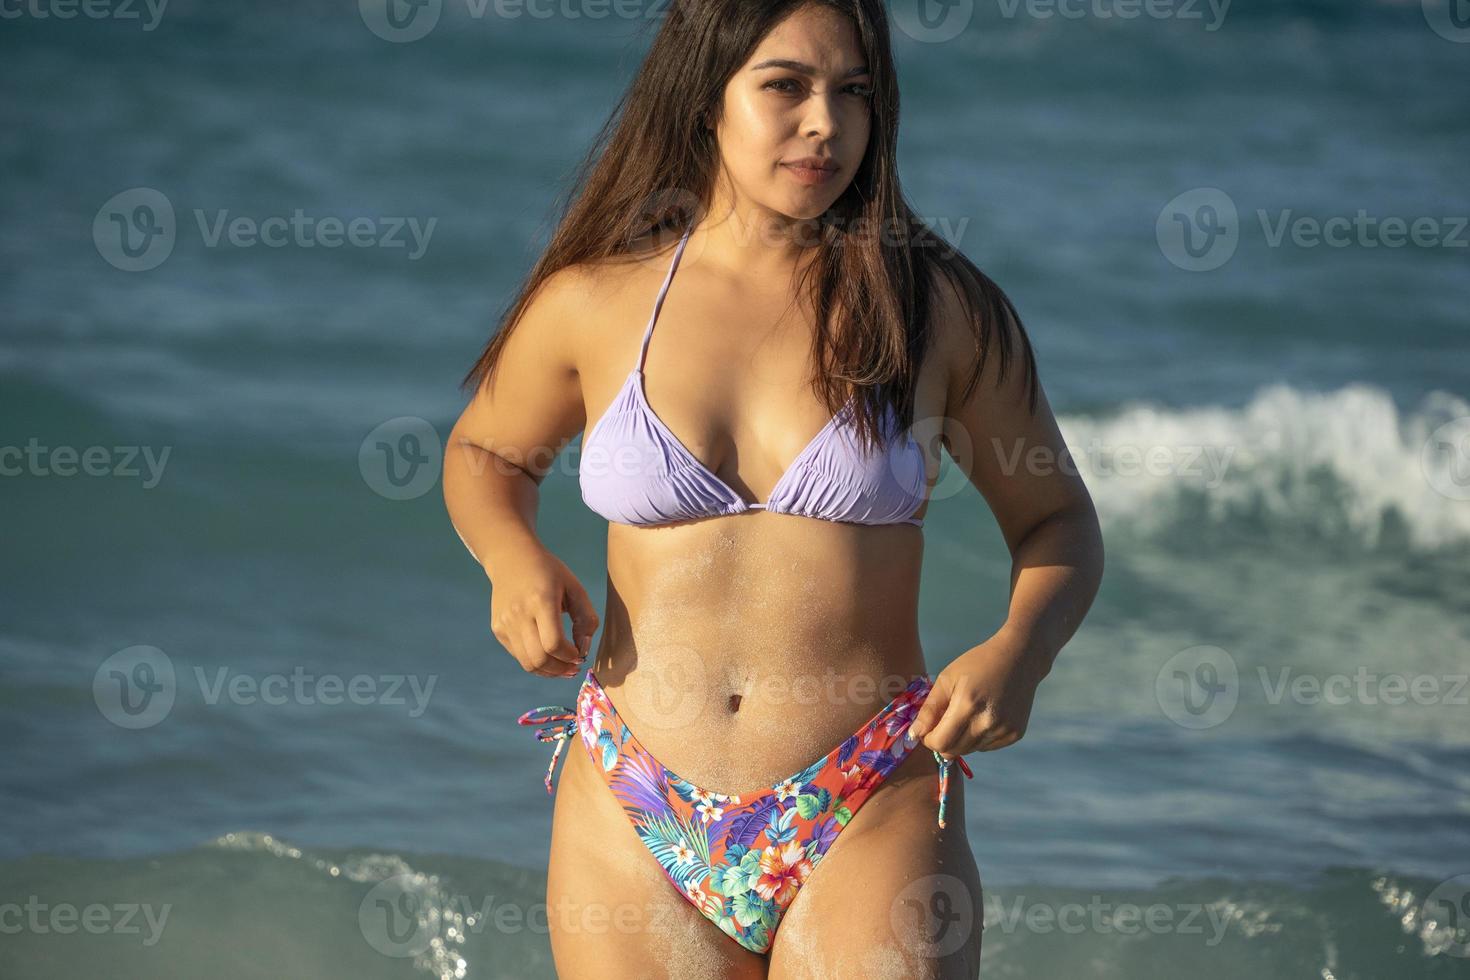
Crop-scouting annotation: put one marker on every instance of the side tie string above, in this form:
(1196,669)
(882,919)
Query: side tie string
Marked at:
(944,765)
(560,724)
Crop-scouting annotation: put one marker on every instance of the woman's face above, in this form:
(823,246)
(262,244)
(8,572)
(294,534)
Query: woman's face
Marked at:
(803,93)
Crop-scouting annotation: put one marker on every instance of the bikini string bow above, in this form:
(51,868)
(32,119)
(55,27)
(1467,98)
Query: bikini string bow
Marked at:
(944,765)
(560,724)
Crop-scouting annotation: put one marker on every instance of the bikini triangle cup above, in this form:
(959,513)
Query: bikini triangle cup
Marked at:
(635,470)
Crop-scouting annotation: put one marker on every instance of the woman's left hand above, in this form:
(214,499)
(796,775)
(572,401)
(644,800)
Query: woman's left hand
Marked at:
(980,702)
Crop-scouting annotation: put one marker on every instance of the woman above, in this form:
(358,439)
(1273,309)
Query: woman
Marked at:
(758,704)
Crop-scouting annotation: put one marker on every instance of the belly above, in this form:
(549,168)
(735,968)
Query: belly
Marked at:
(739,650)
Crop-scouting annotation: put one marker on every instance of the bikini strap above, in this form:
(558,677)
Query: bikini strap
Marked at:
(560,724)
(658,303)
(944,765)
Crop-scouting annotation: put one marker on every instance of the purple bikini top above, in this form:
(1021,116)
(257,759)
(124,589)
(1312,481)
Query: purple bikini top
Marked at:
(634,470)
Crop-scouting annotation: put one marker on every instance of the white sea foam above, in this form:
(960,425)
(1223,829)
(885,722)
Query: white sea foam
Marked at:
(1345,461)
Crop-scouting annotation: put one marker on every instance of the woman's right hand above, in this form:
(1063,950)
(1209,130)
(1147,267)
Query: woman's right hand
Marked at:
(528,595)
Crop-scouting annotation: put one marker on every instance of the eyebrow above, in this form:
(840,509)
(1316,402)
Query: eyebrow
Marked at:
(803,68)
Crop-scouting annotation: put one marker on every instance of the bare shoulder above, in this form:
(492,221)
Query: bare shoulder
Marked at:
(592,304)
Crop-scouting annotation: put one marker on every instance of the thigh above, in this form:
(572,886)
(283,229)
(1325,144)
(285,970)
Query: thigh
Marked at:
(611,912)
(895,896)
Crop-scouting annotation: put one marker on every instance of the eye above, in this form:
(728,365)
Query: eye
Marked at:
(789,86)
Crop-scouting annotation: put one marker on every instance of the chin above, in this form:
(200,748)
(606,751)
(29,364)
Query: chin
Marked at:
(807,209)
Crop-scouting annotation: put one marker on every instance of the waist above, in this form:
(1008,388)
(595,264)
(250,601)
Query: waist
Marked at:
(743,720)
(746,647)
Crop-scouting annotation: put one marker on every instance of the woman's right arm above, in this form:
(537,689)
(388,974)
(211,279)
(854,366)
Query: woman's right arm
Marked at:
(499,451)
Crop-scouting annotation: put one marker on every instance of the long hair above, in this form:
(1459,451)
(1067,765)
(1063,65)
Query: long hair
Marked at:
(654,165)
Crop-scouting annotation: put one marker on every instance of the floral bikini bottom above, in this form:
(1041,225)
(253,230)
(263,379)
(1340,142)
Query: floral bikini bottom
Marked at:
(740,860)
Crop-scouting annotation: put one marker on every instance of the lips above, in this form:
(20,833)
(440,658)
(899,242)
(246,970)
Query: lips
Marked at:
(811,171)
(821,164)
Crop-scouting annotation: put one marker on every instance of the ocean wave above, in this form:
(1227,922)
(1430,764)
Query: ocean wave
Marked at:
(1344,464)
(249,902)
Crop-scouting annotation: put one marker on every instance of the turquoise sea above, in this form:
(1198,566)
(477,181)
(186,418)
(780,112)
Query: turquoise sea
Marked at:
(246,676)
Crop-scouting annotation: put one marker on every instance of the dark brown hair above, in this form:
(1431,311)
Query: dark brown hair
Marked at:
(654,165)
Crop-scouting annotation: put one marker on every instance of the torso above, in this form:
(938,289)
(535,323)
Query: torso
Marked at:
(730,643)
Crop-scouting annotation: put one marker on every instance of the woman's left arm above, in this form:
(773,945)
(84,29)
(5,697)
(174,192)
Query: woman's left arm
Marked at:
(1018,461)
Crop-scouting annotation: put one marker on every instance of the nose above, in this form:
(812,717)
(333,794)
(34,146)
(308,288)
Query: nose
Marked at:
(820,121)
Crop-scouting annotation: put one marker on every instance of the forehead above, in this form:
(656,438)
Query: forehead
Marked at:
(816,35)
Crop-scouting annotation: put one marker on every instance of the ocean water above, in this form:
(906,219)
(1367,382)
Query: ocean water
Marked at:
(1260,732)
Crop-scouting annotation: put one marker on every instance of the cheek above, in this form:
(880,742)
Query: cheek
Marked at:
(755,133)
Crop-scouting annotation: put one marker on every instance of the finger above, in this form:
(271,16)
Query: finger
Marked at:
(584,616)
(551,641)
(948,735)
(930,711)
(529,637)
